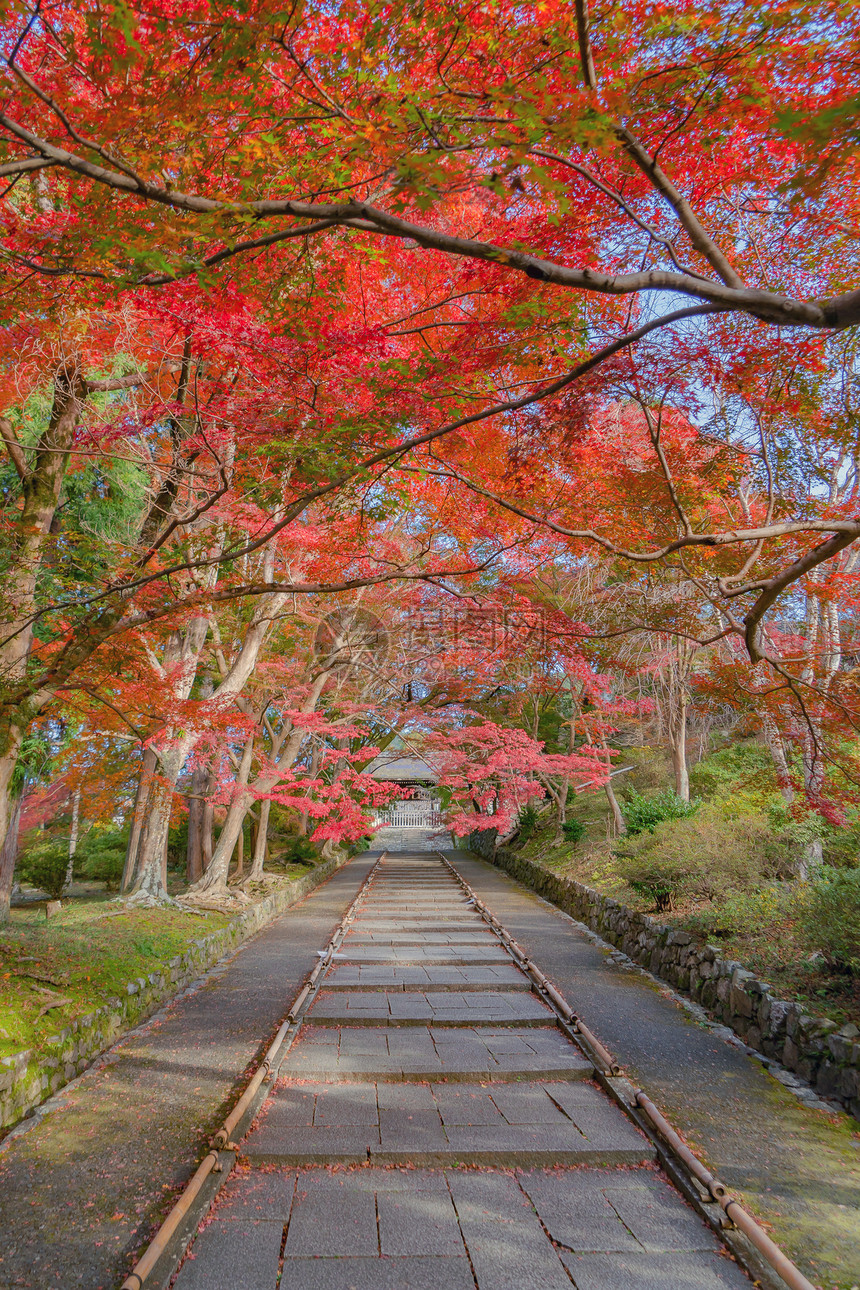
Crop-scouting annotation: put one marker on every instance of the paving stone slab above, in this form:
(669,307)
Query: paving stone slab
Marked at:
(502,976)
(331,1224)
(425,884)
(368,952)
(255,1194)
(610,1211)
(233,1256)
(423,1229)
(418,925)
(481,935)
(390,901)
(415,1223)
(654,1272)
(413,1007)
(366,1053)
(378,1274)
(418,910)
(508,1248)
(423,1124)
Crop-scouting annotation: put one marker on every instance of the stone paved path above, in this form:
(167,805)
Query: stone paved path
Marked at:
(89,1181)
(433,1127)
(411,840)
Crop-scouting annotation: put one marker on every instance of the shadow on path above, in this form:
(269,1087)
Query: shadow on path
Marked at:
(80,1191)
(796,1168)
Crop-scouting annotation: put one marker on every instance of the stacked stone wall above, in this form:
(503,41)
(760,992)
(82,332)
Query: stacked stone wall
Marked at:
(819,1051)
(29,1077)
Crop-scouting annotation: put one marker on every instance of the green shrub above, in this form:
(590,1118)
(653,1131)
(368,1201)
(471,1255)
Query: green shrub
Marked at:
(745,766)
(757,914)
(831,917)
(710,855)
(842,844)
(658,878)
(650,768)
(44,866)
(101,857)
(527,823)
(298,850)
(643,812)
(573,830)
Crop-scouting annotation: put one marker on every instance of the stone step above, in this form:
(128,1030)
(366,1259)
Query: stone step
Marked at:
(429,923)
(418,937)
(369,1053)
(429,1229)
(442,1008)
(508,1125)
(380,952)
(404,908)
(380,976)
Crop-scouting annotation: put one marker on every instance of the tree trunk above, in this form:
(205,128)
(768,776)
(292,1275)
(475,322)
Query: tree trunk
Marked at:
(776,748)
(10,809)
(240,850)
(144,784)
(813,779)
(810,858)
(617,815)
(261,842)
(149,885)
(215,878)
(196,811)
(150,877)
(73,838)
(207,830)
(8,856)
(678,738)
(41,471)
(558,796)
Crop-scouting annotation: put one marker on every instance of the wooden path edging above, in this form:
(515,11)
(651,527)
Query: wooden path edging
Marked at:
(816,1049)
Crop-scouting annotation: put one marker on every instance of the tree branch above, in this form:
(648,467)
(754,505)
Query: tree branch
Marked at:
(701,240)
(368,218)
(772,588)
(25,165)
(586,58)
(14,449)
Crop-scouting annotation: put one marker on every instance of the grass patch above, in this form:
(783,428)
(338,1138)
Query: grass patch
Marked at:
(735,892)
(765,931)
(80,958)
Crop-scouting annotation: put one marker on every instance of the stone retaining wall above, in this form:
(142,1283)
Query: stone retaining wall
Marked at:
(29,1077)
(821,1053)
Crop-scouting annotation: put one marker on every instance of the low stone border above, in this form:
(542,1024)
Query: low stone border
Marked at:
(28,1078)
(821,1053)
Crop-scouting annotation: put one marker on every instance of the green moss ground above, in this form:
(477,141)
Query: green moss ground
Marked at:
(80,958)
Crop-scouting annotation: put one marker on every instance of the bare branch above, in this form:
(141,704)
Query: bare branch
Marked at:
(97,385)
(25,165)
